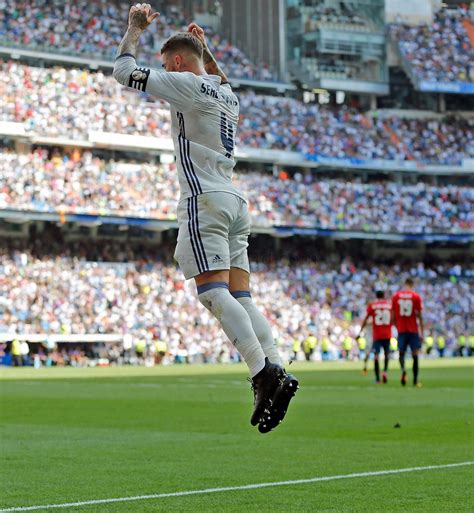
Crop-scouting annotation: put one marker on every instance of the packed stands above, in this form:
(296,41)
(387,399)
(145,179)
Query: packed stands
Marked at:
(94,29)
(61,102)
(269,122)
(92,288)
(56,287)
(83,183)
(441,52)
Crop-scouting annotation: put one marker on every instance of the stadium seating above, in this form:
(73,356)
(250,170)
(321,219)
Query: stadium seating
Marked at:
(48,286)
(53,27)
(53,288)
(454,55)
(61,102)
(77,183)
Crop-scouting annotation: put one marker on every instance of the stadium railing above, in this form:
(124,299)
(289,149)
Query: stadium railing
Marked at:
(59,216)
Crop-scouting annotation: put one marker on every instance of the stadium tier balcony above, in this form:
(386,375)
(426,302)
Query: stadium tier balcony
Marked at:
(439,57)
(59,106)
(88,288)
(77,183)
(338,46)
(89,32)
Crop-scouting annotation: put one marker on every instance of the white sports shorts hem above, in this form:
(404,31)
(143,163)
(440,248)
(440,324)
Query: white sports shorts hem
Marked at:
(213,233)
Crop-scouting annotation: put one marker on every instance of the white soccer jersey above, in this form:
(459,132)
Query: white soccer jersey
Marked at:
(204,117)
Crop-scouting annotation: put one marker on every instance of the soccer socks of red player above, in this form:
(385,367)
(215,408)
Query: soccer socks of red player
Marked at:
(377,369)
(235,322)
(385,363)
(260,326)
(415,369)
(401,359)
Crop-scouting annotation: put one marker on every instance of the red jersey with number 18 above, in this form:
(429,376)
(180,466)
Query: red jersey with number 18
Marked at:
(406,304)
(381,313)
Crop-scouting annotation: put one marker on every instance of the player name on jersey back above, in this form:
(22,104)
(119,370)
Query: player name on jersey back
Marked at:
(204,119)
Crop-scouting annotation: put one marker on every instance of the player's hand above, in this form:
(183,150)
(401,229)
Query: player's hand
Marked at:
(141,16)
(198,32)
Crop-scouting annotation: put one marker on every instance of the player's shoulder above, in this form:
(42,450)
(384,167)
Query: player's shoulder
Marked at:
(209,83)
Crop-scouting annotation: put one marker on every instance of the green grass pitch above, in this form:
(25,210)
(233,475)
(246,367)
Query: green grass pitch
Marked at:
(73,435)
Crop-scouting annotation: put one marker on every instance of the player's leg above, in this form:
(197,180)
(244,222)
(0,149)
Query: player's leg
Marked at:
(210,217)
(366,359)
(213,292)
(240,288)
(386,353)
(415,345)
(376,361)
(402,346)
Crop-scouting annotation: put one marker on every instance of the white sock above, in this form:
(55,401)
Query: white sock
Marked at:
(235,322)
(260,326)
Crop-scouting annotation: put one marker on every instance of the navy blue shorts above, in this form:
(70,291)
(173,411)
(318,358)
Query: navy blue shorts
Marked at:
(381,344)
(411,340)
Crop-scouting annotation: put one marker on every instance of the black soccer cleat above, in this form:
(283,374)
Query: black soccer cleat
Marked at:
(276,413)
(264,385)
(403,379)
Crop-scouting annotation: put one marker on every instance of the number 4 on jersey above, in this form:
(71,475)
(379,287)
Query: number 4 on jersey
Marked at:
(227,135)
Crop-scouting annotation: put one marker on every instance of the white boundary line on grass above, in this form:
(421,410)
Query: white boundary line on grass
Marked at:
(235,488)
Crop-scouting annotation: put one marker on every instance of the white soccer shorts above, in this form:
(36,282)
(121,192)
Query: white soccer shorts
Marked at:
(213,233)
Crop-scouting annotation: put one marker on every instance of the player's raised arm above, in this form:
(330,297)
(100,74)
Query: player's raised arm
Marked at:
(210,63)
(182,52)
(140,17)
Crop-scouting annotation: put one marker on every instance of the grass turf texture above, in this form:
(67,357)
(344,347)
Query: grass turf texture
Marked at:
(72,435)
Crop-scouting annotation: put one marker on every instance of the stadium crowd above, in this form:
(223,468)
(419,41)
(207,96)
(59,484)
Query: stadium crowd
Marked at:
(441,52)
(95,28)
(71,103)
(57,289)
(84,183)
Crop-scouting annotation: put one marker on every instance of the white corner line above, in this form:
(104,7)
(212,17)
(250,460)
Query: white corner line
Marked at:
(234,488)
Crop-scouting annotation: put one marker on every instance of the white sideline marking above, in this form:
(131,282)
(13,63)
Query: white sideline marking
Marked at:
(234,488)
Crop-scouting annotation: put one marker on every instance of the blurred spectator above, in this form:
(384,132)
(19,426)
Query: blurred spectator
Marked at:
(149,300)
(441,52)
(75,183)
(71,103)
(94,28)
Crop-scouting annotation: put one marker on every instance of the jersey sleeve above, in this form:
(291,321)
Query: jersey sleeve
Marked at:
(178,89)
(369,310)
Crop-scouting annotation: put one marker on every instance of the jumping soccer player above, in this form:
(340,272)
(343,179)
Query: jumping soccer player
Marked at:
(406,311)
(213,218)
(380,313)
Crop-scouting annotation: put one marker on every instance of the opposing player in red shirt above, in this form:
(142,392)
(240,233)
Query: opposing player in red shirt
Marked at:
(380,311)
(407,317)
